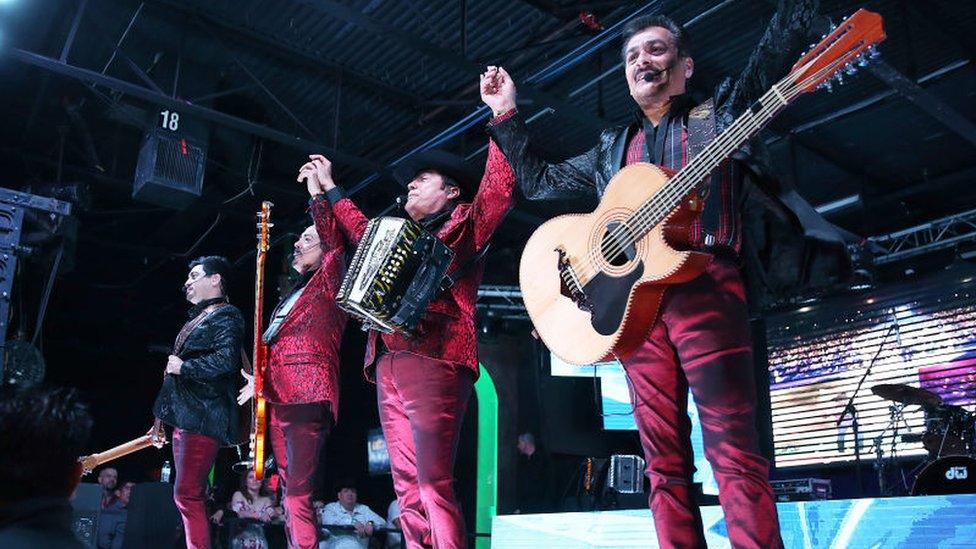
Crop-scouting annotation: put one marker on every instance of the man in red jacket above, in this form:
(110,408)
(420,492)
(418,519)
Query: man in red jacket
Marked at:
(424,380)
(301,381)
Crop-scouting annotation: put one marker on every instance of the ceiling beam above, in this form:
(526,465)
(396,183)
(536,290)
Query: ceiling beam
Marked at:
(204,113)
(293,53)
(338,10)
(927,102)
(868,102)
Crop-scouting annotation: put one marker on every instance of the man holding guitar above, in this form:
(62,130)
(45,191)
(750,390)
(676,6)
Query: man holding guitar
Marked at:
(197,396)
(301,381)
(699,337)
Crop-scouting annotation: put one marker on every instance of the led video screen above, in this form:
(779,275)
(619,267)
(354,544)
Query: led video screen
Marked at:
(819,352)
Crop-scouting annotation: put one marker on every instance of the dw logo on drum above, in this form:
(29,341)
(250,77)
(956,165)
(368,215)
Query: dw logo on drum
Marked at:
(957,473)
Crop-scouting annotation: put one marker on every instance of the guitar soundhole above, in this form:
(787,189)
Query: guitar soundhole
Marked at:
(617,245)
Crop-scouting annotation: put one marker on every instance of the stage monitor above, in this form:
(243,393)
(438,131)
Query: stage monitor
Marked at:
(617,409)
(377,455)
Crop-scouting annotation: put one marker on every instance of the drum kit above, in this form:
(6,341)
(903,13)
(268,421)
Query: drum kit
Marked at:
(949,438)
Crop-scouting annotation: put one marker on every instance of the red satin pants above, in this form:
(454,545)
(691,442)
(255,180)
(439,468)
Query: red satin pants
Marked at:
(298,433)
(193,456)
(422,403)
(701,340)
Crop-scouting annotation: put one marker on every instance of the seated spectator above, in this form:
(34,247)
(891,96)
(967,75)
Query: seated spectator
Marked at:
(393,539)
(111,521)
(254,500)
(42,434)
(347,512)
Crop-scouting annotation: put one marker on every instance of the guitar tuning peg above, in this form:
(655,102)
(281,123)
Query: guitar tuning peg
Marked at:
(862,60)
(828,85)
(873,52)
(840,78)
(851,70)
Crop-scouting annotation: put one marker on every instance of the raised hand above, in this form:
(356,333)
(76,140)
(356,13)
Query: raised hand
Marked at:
(308,175)
(174,365)
(323,170)
(498,90)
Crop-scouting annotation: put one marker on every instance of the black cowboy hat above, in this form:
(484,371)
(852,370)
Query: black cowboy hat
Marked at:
(467,177)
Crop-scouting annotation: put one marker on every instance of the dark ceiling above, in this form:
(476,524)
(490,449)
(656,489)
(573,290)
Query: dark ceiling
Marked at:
(368,81)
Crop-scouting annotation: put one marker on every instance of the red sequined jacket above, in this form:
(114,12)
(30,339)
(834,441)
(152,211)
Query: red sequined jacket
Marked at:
(448,330)
(303,361)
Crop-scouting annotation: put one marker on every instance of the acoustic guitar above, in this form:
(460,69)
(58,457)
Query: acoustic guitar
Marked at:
(593,283)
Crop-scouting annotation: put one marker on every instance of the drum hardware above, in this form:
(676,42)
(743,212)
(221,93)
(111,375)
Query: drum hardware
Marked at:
(883,462)
(850,409)
(949,438)
(949,430)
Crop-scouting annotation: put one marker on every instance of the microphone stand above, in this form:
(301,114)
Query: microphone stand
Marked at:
(852,410)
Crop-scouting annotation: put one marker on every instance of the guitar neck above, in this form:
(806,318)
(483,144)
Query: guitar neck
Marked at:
(124,449)
(698,170)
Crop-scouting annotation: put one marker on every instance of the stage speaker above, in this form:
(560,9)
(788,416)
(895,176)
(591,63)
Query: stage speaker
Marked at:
(170,169)
(153,522)
(84,524)
(626,474)
(86,503)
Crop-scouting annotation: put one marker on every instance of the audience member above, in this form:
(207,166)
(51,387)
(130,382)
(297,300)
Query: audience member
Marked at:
(254,500)
(393,540)
(111,521)
(44,431)
(533,477)
(346,511)
(108,479)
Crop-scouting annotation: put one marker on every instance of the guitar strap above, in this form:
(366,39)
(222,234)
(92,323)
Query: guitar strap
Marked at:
(701,132)
(192,325)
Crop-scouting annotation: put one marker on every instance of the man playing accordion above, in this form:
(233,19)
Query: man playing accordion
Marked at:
(424,379)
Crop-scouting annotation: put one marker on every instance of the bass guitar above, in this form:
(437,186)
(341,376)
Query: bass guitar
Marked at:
(155,437)
(259,419)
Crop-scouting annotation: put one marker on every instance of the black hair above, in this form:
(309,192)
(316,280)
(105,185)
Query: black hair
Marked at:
(681,41)
(344,483)
(45,431)
(215,264)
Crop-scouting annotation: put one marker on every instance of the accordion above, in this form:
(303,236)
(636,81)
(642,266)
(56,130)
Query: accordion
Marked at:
(396,271)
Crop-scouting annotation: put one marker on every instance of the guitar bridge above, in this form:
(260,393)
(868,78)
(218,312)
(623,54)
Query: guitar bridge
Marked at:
(569,284)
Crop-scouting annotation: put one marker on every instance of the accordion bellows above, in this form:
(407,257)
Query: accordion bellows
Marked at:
(396,271)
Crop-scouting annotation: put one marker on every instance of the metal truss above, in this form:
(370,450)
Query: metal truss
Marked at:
(934,235)
(502,302)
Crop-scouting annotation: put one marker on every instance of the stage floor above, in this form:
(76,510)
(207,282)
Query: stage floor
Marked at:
(909,522)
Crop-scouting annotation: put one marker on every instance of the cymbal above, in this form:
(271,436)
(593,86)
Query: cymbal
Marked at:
(907,394)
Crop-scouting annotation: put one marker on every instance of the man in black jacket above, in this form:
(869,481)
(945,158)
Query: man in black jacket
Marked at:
(700,339)
(198,397)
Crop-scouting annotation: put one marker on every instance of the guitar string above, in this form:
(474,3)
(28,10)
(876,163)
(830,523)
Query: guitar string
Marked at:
(680,187)
(748,122)
(660,205)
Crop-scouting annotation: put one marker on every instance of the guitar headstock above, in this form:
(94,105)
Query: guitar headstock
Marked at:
(264,224)
(88,463)
(850,45)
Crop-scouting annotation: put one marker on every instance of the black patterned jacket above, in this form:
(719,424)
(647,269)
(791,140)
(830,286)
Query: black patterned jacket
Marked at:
(203,397)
